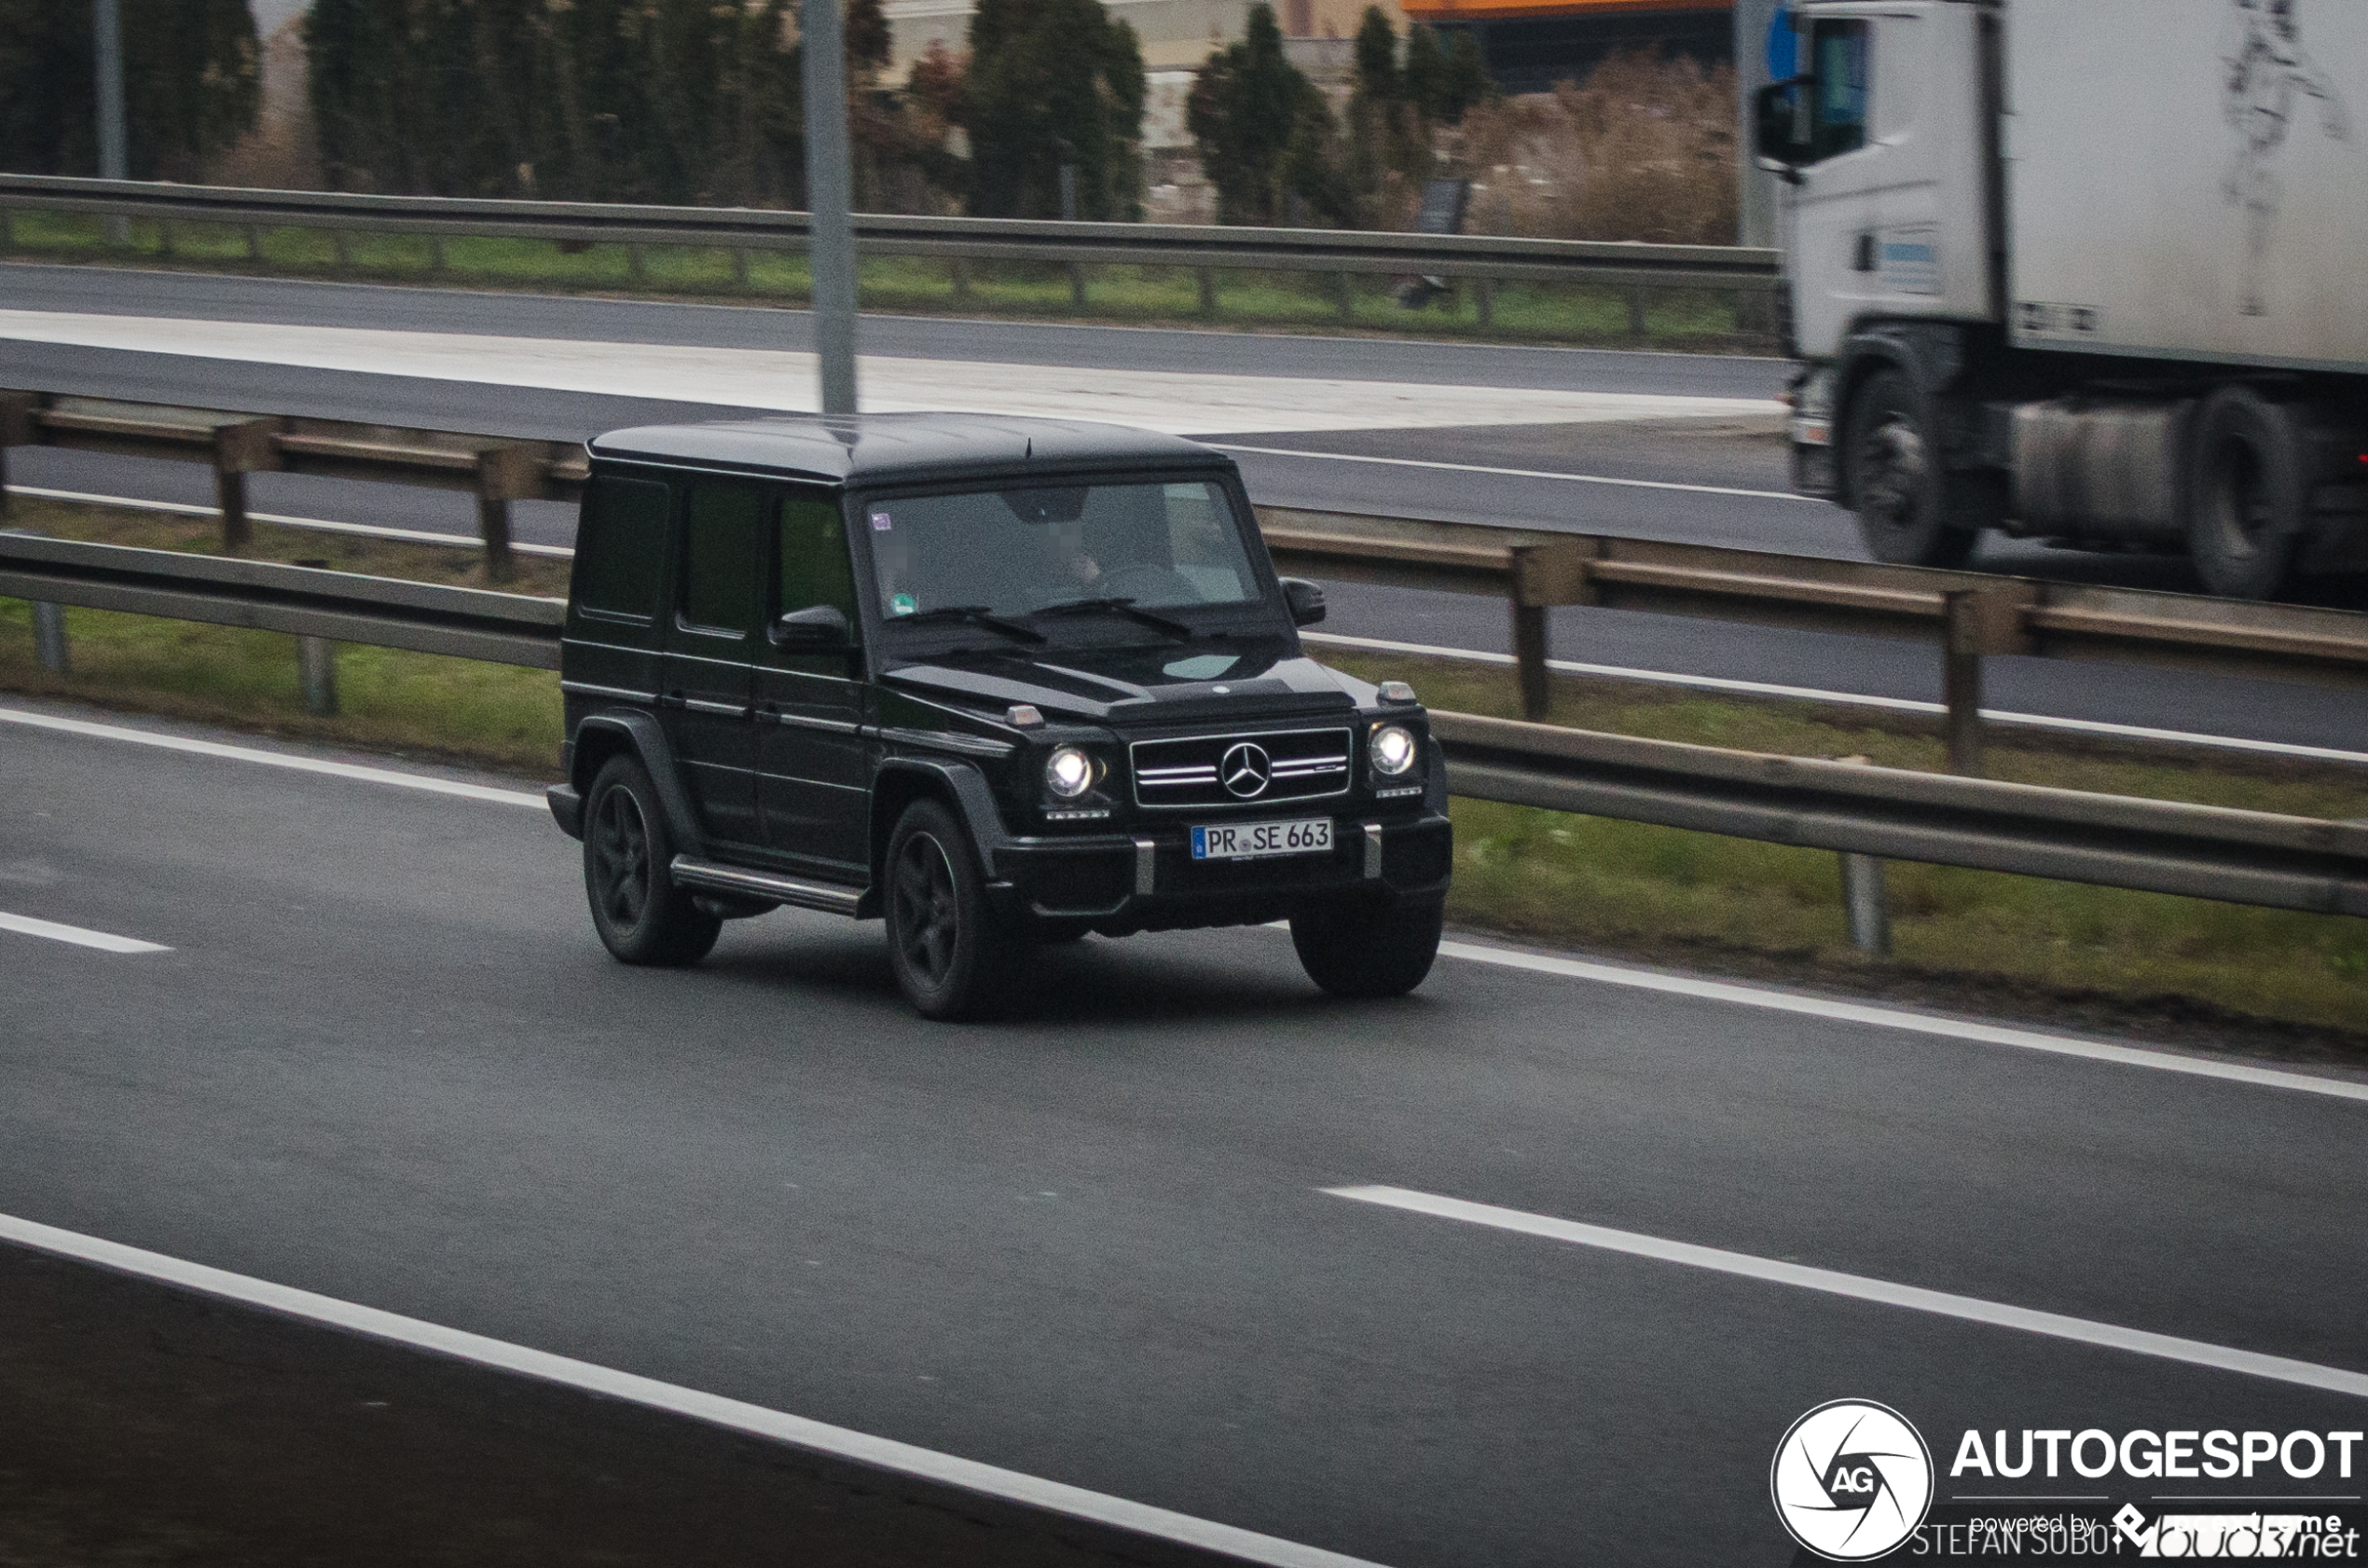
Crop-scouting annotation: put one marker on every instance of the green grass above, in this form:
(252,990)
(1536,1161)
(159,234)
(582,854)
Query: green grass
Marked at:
(1705,318)
(1972,938)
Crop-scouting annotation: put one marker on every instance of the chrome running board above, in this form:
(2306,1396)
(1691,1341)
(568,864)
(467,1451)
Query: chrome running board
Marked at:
(765,885)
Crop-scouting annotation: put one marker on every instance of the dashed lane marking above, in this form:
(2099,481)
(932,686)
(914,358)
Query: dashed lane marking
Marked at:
(1970,1309)
(25,925)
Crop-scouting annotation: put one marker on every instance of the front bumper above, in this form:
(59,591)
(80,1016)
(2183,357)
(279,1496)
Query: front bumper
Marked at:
(1148,880)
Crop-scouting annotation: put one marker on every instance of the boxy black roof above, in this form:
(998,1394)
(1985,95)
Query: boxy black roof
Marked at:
(872,447)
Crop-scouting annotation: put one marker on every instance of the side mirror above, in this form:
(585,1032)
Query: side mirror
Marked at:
(1779,138)
(819,628)
(1305,599)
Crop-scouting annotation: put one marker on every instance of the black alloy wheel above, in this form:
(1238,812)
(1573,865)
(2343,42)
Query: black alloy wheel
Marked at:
(953,958)
(2250,494)
(1911,510)
(1368,950)
(641,916)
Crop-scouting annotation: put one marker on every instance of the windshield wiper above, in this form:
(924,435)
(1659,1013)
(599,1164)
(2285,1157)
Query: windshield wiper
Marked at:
(1121,606)
(973,614)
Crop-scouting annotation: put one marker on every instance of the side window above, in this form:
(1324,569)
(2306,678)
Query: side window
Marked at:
(814,563)
(1838,53)
(722,542)
(620,547)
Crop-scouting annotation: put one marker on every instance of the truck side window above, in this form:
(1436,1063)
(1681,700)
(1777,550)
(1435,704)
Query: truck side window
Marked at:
(620,545)
(1838,53)
(814,563)
(721,549)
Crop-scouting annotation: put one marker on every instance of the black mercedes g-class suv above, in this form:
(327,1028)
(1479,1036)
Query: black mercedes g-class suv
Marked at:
(1001,682)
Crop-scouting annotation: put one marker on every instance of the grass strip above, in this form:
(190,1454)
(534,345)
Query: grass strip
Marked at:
(2067,952)
(1704,320)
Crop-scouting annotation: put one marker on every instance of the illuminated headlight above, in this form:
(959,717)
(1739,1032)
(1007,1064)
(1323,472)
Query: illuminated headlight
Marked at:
(1393,749)
(1069,772)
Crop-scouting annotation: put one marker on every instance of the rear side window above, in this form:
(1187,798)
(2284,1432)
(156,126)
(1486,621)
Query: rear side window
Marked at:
(620,546)
(813,564)
(723,539)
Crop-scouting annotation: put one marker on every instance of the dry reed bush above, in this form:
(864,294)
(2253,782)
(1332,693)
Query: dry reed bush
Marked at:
(1643,149)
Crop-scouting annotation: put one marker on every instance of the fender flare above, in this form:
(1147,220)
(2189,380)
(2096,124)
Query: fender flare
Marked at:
(649,745)
(973,800)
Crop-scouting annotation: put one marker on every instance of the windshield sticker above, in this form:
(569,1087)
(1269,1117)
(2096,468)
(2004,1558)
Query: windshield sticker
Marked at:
(1201,667)
(879,522)
(904,604)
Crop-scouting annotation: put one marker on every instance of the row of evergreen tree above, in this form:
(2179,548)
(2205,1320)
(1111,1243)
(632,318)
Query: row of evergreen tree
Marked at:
(699,102)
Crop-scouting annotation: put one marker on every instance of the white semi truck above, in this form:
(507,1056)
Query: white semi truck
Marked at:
(2093,271)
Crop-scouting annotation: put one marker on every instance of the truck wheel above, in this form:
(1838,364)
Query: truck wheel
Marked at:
(2250,494)
(952,957)
(1911,510)
(1365,950)
(641,916)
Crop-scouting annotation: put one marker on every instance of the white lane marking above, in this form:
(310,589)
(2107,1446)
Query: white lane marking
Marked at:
(1180,403)
(1905,1022)
(797,1431)
(273,758)
(1972,1309)
(1532,472)
(1851,699)
(186,509)
(25,925)
(1606,974)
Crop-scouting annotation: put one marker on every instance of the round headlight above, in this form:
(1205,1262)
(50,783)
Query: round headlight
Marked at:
(1393,749)
(1069,772)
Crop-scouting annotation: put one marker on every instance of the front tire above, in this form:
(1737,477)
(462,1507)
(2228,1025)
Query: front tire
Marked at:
(1365,950)
(2250,494)
(953,958)
(1911,510)
(641,915)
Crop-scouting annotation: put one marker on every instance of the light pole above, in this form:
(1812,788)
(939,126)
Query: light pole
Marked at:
(831,243)
(107,24)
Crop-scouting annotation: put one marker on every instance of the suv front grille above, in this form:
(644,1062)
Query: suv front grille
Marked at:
(1241,769)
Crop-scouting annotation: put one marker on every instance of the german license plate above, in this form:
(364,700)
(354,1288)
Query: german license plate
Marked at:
(1250,840)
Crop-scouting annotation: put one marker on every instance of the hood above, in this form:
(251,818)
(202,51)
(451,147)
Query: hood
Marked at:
(1174,682)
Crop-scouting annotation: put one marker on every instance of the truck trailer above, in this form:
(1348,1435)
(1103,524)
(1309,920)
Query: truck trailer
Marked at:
(2091,271)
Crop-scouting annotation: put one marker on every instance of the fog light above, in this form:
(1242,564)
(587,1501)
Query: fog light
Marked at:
(1393,749)
(1069,772)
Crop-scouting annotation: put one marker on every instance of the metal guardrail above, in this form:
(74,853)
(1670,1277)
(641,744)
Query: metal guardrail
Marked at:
(2236,856)
(1971,614)
(1206,247)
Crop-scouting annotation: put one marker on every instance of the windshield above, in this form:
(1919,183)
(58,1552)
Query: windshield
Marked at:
(1016,552)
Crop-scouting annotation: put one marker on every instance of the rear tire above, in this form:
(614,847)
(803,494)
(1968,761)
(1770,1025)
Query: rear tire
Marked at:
(1911,510)
(1367,949)
(641,915)
(953,958)
(2250,494)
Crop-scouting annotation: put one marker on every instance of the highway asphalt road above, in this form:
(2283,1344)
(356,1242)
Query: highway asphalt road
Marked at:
(1712,481)
(385,1059)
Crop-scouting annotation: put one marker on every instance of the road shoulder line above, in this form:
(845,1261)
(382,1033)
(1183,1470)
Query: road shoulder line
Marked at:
(1837,1011)
(1970,1309)
(796,1431)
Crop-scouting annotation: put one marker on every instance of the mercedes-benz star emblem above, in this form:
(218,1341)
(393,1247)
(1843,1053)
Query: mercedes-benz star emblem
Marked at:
(1245,769)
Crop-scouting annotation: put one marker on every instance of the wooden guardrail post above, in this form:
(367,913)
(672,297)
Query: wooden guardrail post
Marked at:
(317,673)
(1484,302)
(1209,293)
(16,430)
(241,447)
(505,474)
(1542,576)
(958,270)
(1975,622)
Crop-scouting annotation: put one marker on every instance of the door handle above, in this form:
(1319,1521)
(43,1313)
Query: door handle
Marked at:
(672,699)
